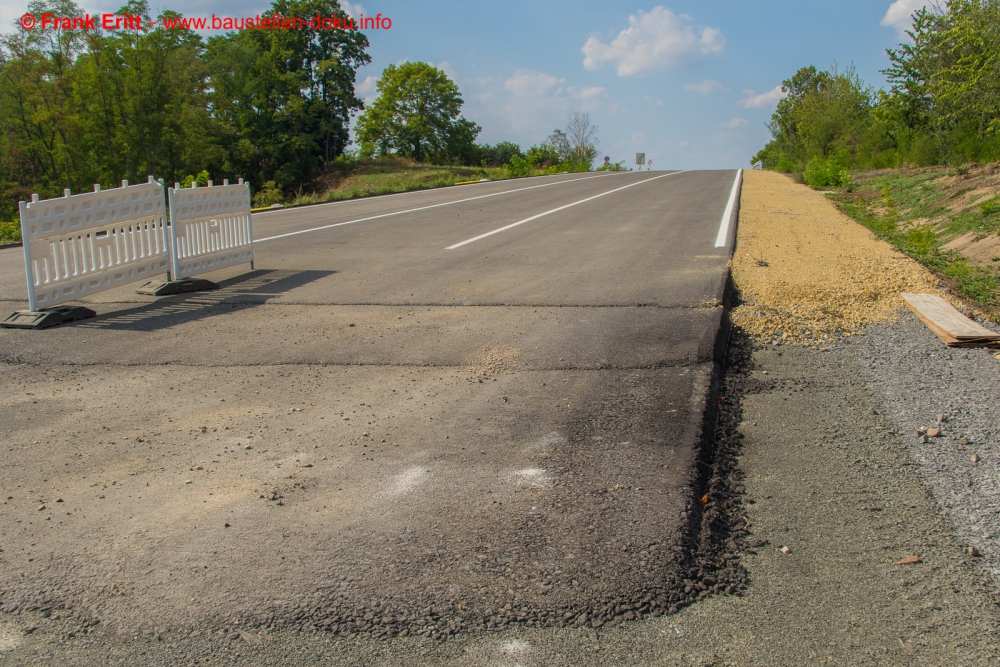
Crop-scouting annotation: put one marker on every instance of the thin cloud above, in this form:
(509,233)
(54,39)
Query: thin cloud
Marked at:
(734,124)
(753,100)
(706,87)
(655,40)
(353,9)
(900,14)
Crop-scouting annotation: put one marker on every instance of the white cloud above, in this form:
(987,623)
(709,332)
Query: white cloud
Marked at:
(753,100)
(366,90)
(655,40)
(901,12)
(528,82)
(734,124)
(446,67)
(531,103)
(706,87)
(353,9)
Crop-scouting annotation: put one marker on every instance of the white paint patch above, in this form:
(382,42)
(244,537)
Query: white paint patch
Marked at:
(10,638)
(406,481)
(514,647)
(530,478)
(547,442)
(720,240)
(561,208)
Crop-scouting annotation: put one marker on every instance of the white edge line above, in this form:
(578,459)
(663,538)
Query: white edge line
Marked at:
(421,208)
(561,208)
(720,240)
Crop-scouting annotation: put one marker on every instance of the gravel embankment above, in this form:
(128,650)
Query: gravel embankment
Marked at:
(807,273)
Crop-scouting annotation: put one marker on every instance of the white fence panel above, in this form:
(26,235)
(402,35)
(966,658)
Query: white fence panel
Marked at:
(81,244)
(210,227)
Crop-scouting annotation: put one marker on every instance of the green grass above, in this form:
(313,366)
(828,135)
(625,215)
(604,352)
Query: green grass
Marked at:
(918,214)
(350,180)
(10,232)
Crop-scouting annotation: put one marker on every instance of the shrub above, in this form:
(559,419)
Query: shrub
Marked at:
(10,232)
(990,206)
(518,167)
(824,173)
(202,179)
(268,195)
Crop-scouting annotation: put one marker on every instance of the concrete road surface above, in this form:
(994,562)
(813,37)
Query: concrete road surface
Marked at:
(429,413)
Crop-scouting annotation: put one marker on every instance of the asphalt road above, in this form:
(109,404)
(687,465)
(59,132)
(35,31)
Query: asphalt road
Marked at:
(395,424)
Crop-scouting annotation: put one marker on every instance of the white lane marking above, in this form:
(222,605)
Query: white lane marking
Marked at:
(357,200)
(720,240)
(556,210)
(422,208)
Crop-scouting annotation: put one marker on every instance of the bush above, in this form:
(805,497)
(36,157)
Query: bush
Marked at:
(202,179)
(990,206)
(10,232)
(825,173)
(518,167)
(268,195)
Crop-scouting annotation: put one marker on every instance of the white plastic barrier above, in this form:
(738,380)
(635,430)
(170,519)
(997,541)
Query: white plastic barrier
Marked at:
(81,244)
(210,227)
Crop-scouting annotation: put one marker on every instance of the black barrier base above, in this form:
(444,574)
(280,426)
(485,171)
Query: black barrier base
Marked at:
(183,286)
(43,319)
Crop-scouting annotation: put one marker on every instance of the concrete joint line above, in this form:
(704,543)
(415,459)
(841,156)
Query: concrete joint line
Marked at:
(422,208)
(561,208)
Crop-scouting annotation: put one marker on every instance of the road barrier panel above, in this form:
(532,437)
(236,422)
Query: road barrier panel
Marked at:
(77,245)
(210,229)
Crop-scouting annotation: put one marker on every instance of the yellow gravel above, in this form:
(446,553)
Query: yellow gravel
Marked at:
(807,273)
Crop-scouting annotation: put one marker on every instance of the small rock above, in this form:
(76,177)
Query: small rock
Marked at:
(909,560)
(963,441)
(786,550)
(924,439)
(921,431)
(974,458)
(187,481)
(973,552)
(941,418)
(933,432)
(41,508)
(227,525)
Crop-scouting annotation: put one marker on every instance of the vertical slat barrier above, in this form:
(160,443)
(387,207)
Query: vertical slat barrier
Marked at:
(77,245)
(210,228)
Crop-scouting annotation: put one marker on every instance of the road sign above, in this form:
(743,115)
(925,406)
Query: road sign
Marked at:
(640,158)
(606,159)
(650,164)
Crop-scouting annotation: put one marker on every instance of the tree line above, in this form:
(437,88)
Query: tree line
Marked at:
(79,107)
(942,105)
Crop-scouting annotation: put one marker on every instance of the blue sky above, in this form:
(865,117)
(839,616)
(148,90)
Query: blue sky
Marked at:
(691,84)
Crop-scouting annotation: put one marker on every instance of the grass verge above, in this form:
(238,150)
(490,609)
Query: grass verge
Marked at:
(382,176)
(928,213)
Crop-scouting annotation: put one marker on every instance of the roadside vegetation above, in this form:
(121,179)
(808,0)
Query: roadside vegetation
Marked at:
(274,107)
(947,218)
(907,161)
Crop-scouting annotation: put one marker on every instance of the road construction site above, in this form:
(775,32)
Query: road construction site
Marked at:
(509,424)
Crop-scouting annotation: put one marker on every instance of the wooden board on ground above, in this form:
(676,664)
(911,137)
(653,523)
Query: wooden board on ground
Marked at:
(951,326)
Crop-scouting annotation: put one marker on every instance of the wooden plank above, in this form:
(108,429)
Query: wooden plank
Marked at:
(951,326)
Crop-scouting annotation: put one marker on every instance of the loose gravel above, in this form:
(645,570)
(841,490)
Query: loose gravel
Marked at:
(923,381)
(808,274)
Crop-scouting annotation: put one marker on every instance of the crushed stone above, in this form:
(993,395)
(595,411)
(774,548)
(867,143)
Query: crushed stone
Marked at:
(808,274)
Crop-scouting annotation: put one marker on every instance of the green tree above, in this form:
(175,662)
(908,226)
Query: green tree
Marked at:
(416,115)
(287,94)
